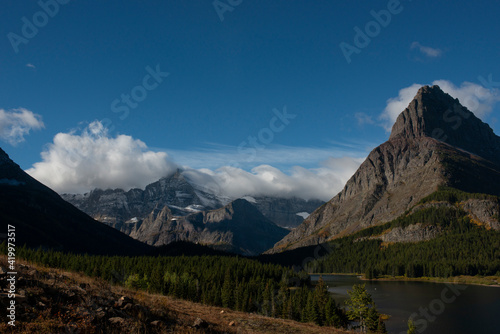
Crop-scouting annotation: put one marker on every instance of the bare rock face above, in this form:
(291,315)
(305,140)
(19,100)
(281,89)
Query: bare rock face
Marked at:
(435,114)
(285,212)
(412,233)
(434,142)
(125,210)
(117,207)
(394,177)
(172,209)
(484,212)
(238,227)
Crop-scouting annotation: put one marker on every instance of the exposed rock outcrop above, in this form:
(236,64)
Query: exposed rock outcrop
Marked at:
(485,212)
(413,233)
(238,227)
(168,210)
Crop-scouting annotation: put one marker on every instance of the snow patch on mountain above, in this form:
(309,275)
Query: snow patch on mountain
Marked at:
(194,208)
(303,214)
(250,199)
(181,194)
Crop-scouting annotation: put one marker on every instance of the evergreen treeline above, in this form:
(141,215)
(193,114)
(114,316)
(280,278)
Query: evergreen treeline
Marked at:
(476,252)
(451,219)
(452,195)
(234,282)
(462,248)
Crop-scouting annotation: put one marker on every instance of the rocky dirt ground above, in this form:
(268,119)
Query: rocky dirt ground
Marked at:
(54,301)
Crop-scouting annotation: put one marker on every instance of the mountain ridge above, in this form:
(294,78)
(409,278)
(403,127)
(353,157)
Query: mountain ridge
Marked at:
(238,227)
(43,219)
(117,207)
(404,169)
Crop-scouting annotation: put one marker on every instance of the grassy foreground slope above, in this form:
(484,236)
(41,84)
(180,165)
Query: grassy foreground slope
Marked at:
(56,301)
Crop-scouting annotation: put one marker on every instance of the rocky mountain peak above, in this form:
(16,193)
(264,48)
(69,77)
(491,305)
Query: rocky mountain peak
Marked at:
(242,204)
(4,158)
(238,207)
(434,113)
(3,155)
(435,142)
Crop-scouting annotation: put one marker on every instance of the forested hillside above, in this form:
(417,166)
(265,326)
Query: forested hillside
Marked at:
(233,282)
(462,245)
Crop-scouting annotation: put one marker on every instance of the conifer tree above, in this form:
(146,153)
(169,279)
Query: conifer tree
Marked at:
(227,290)
(311,311)
(412,329)
(321,297)
(360,306)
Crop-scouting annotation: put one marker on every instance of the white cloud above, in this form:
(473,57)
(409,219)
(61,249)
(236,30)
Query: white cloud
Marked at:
(343,167)
(478,99)
(426,50)
(395,105)
(316,183)
(77,163)
(30,65)
(17,123)
(216,156)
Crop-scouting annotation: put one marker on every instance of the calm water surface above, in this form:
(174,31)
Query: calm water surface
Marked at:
(439,308)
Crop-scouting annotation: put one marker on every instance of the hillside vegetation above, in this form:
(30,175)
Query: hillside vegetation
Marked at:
(232,282)
(463,247)
(57,301)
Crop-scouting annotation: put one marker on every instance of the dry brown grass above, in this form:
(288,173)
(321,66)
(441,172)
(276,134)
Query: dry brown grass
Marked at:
(68,313)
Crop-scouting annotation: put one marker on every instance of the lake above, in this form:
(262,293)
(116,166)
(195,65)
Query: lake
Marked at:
(438,308)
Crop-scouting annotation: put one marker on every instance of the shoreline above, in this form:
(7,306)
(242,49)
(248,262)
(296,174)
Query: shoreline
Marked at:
(488,281)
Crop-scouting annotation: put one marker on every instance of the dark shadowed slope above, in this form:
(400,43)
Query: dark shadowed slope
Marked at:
(42,218)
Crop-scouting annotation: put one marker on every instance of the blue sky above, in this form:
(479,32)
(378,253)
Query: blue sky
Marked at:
(225,78)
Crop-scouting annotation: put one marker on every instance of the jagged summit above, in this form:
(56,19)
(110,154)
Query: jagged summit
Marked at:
(237,227)
(434,113)
(242,204)
(435,142)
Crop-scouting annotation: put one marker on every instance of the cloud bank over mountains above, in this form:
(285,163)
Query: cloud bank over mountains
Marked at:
(79,162)
(76,163)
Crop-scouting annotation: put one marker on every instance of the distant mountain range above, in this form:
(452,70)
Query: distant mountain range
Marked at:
(238,227)
(120,208)
(175,208)
(435,143)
